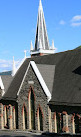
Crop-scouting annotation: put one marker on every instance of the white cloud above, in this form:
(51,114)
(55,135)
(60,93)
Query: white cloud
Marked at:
(76,24)
(76,21)
(62,22)
(7,64)
(76,18)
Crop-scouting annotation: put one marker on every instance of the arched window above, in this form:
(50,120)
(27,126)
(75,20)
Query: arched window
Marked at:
(40,120)
(59,118)
(14,118)
(24,118)
(31,98)
(32,108)
(77,124)
(6,118)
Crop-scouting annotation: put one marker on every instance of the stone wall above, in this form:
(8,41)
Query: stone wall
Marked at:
(31,82)
(67,116)
(7,116)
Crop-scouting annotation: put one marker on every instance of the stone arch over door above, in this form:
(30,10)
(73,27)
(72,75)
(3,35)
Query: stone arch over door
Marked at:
(24,116)
(40,118)
(31,98)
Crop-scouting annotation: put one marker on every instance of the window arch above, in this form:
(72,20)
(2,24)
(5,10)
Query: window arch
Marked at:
(31,109)
(40,118)
(77,124)
(59,118)
(6,117)
(24,117)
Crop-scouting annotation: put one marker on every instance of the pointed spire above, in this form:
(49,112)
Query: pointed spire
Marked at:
(41,32)
(53,45)
(31,46)
(40,5)
(40,44)
(25,54)
(41,38)
(13,67)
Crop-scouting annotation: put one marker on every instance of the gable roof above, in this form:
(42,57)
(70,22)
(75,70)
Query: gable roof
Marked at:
(67,78)
(6,79)
(11,93)
(40,78)
(47,72)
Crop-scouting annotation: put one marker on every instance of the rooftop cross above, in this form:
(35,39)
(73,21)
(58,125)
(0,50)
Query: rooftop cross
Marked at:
(25,53)
(13,67)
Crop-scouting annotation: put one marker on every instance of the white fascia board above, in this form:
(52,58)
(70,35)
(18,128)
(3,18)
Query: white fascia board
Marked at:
(43,51)
(41,80)
(1,83)
(19,66)
(23,79)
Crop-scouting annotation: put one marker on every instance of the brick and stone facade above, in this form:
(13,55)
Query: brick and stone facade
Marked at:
(66,119)
(53,118)
(40,101)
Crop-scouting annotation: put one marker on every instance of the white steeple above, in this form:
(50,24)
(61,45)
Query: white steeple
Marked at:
(53,44)
(40,44)
(40,6)
(31,46)
(41,35)
(13,67)
(25,54)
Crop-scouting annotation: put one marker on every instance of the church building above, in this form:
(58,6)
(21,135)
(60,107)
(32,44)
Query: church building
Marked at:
(44,94)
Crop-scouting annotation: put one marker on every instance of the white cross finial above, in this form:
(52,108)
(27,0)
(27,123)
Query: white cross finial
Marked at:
(31,46)
(53,44)
(25,53)
(13,67)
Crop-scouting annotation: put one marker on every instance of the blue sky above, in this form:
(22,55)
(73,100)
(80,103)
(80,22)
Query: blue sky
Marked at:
(18,19)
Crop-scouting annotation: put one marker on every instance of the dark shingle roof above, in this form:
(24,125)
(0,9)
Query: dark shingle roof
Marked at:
(67,78)
(47,72)
(6,81)
(11,93)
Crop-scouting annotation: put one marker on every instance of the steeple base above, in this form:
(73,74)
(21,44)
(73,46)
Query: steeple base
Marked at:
(41,53)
